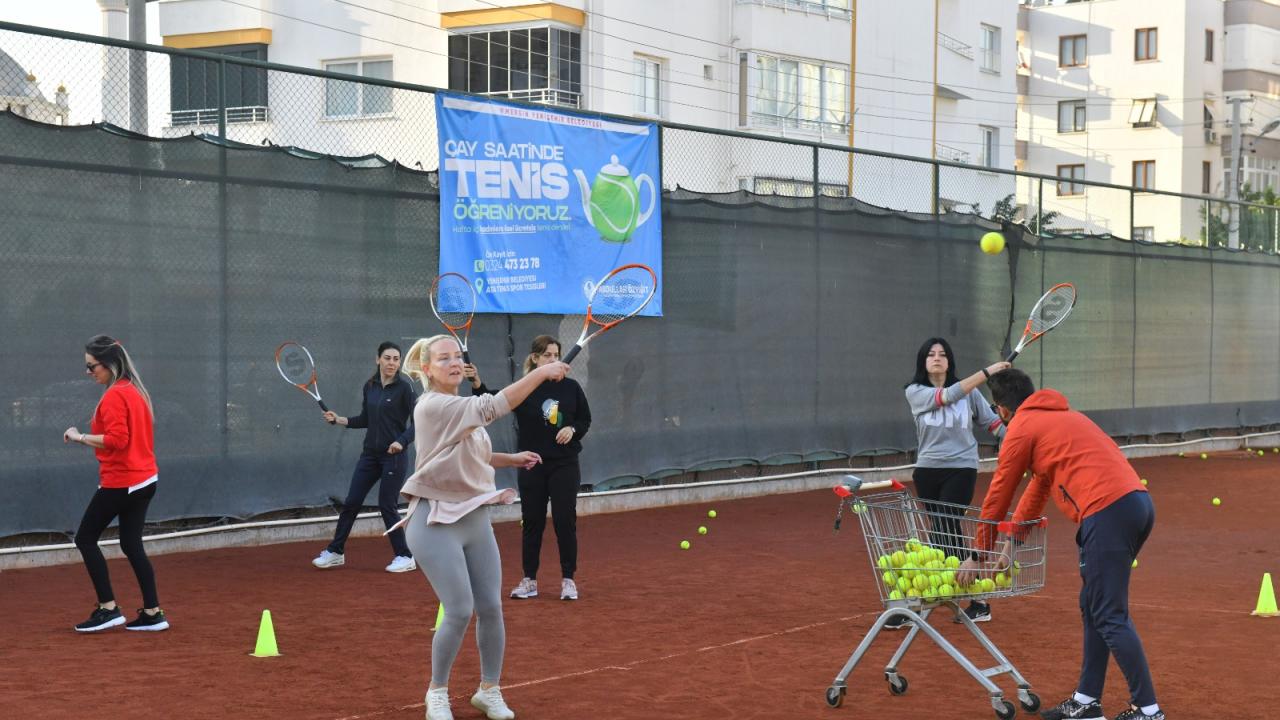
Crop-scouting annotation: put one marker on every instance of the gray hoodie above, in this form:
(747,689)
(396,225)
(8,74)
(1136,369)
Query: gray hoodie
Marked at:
(944,425)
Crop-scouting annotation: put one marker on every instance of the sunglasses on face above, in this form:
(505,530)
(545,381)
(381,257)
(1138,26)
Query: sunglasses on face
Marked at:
(90,367)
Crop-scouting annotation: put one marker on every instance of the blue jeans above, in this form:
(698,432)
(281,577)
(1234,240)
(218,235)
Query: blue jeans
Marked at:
(1109,541)
(372,468)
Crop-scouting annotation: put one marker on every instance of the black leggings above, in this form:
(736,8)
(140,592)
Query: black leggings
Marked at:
(106,505)
(556,481)
(947,485)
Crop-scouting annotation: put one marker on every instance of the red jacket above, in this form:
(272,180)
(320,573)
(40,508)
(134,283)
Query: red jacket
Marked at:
(124,422)
(1070,458)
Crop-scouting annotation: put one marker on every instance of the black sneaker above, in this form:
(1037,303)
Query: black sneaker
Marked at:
(151,623)
(1136,714)
(977,612)
(897,622)
(1069,708)
(101,619)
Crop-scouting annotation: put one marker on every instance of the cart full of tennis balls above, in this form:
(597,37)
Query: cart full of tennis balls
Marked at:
(920,571)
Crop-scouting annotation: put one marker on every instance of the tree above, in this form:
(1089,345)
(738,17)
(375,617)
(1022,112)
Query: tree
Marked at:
(1258,226)
(1007,210)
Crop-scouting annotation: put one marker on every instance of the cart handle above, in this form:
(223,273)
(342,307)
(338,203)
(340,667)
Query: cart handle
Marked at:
(851,484)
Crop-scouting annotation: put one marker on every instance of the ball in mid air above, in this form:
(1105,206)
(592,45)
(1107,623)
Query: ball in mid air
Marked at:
(992,243)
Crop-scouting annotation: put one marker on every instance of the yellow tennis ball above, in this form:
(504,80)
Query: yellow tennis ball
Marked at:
(896,595)
(992,243)
(890,578)
(1001,580)
(988,585)
(1217,501)
(711,513)
(945,590)
(684,544)
(883,562)
(1204,456)
(1017,568)
(949,577)
(930,594)
(1144,482)
(1135,563)
(702,529)
(953,562)
(921,582)
(898,558)
(1182,454)
(904,584)
(1261,453)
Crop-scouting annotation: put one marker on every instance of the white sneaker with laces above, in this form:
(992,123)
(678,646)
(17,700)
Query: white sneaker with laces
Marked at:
(438,704)
(527,588)
(489,701)
(402,563)
(568,589)
(328,559)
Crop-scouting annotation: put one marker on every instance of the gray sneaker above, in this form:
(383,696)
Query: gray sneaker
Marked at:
(528,588)
(568,589)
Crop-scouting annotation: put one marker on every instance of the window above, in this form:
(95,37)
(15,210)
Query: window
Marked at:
(1144,174)
(990,146)
(1206,177)
(1071,50)
(1068,175)
(1143,113)
(794,188)
(990,49)
(354,99)
(648,86)
(1144,234)
(1208,46)
(1144,44)
(193,87)
(796,93)
(1260,173)
(540,64)
(1071,116)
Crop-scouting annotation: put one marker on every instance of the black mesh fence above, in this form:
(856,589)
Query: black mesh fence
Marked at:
(791,323)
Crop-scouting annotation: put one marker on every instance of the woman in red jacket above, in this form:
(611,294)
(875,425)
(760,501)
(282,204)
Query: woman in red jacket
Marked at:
(123,440)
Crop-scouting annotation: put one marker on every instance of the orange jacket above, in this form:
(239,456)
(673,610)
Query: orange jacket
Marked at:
(1070,458)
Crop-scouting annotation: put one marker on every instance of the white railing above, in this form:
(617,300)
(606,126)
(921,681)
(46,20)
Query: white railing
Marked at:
(946,152)
(955,45)
(546,96)
(831,8)
(209,116)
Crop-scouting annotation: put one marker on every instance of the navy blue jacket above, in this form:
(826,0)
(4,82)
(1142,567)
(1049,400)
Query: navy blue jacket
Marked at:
(387,413)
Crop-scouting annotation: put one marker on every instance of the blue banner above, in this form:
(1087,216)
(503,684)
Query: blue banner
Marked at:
(537,205)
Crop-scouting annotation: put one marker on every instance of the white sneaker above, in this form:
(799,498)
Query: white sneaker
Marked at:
(327,559)
(568,590)
(526,589)
(490,703)
(438,704)
(402,563)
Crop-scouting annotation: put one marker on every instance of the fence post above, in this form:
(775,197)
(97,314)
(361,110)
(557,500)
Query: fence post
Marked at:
(222,101)
(1040,209)
(817,183)
(224,329)
(936,200)
(1133,221)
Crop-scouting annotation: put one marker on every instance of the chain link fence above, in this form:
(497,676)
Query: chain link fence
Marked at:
(236,204)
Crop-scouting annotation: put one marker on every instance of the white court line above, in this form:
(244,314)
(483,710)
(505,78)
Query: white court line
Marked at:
(633,663)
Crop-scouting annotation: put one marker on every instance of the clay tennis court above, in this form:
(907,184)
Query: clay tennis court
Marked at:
(752,622)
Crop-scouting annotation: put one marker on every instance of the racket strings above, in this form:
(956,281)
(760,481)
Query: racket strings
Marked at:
(620,296)
(1052,309)
(454,301)
(296,365)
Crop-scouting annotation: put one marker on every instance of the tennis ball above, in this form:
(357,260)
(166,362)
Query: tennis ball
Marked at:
(1002,580)
(934,581)
(1204,456)
(913,593)
(930,594)
(988,585)
(890,578)
(949,577)
(904,584)
(1017,568)
(1261,453)
(1275,449)
(992,243)
(702,529)
(896,595)
(920,582)
(945,591)
(859,507)
(1182,454)
(684,544)
(883,562)
(1135,563)
(1144,482)
(711,513)
(1217,501)
(898,558)
(953,562)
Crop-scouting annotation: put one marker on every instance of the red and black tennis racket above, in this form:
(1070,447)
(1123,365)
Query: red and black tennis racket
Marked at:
(622,294)
(453,300)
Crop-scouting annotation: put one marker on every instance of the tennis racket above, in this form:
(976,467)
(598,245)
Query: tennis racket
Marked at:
(1052,308)
(621,294)
(453,300)
(298,368)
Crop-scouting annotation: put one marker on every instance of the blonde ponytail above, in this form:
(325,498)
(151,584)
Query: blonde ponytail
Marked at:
(413,360)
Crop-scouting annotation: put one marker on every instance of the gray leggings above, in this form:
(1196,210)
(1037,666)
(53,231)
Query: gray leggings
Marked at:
(462,564)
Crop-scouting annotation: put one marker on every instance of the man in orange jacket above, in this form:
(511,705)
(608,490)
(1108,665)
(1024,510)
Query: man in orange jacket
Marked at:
(1075,462)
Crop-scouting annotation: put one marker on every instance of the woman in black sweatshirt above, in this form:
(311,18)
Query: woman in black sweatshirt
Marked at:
(551,422)
(387,414)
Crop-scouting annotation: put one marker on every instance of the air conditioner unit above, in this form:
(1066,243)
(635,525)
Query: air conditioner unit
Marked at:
(1211,137)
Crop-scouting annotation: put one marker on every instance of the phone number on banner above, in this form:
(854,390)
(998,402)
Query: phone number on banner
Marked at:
(514,283)
(509,263)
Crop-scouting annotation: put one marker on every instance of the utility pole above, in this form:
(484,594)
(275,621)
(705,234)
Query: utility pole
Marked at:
(138,67)
(1233,187)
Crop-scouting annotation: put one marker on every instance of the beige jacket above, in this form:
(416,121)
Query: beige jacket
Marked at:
(453,449)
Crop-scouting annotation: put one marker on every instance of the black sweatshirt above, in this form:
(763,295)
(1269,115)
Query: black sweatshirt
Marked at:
(537,426)
(387,413)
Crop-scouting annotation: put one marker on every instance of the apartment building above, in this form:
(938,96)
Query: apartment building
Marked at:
(1126,92)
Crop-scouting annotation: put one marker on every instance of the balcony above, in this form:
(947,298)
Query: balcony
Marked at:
(209,116)
(955,45)
(946,152)
(545,96)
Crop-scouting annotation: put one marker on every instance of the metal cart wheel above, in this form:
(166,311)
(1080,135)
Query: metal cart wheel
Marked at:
(835,696)
(1008,711)
(1032,703)
(899,687)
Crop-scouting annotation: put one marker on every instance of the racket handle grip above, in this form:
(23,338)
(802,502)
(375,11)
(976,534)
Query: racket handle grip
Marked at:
(466,357)
(326,409)
(573,353)
(1011,357)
